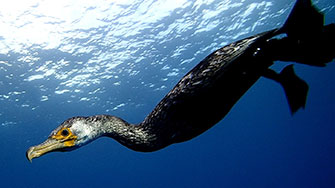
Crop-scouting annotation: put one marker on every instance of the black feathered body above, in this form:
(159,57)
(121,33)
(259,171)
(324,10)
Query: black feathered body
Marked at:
(207,93)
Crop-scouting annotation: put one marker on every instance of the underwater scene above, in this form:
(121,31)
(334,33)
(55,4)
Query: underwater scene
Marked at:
(67,58)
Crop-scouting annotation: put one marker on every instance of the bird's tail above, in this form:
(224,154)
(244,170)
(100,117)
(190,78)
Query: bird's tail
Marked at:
(304,22)
(308,40)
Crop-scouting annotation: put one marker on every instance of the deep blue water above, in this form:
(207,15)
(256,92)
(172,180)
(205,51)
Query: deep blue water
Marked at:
(60,59)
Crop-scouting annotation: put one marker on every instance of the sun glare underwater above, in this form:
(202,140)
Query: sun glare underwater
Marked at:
(65,58)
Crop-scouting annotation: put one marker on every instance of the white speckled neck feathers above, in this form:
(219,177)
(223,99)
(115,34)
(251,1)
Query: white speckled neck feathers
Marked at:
(132,136)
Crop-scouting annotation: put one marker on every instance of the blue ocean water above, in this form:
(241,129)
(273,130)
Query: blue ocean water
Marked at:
(65,58)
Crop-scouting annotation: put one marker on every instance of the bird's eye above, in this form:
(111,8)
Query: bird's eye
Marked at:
(65,132)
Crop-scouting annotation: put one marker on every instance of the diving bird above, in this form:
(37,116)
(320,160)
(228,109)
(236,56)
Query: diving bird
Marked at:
(207,93)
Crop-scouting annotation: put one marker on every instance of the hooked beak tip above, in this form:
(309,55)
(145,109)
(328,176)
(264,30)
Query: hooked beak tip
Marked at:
(30,154)
(47,146)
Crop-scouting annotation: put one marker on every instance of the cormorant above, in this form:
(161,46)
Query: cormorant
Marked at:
(208,92)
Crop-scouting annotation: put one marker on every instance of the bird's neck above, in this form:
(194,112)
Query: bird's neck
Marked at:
(135,137)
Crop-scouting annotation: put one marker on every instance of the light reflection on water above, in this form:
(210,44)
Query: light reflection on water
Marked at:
(80,49)
(65,58)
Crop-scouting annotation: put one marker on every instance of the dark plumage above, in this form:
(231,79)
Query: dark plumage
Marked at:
(208,92)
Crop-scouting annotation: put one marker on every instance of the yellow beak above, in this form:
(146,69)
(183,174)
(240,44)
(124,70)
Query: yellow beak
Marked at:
(47,146)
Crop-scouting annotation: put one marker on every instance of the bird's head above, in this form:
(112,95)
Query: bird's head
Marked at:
(70,135)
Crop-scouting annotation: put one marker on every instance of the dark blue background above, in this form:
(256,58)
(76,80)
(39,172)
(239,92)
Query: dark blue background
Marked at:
(258,144)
